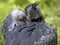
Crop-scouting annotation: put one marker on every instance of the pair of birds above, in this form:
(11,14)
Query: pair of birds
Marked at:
(36,33)
(18,17)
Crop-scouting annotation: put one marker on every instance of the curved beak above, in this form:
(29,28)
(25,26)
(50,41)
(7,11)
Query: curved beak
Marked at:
(37,2)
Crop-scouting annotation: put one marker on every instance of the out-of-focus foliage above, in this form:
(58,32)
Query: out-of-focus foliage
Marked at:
(50,9)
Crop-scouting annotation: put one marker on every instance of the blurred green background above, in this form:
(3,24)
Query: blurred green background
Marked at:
(49,8)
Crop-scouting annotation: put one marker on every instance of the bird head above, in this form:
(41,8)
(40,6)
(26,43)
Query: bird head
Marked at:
(32,11)
(19,16)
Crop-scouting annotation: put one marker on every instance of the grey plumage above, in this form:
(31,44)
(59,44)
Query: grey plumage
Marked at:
(6,24)
(33,34)
(16,17)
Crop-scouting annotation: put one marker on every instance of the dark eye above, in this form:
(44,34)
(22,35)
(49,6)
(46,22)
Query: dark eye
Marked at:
(34,8)
(14,24)
(18,17)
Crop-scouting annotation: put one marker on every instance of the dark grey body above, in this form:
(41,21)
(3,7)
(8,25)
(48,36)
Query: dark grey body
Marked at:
(33,34)
(6,24)
(16,17)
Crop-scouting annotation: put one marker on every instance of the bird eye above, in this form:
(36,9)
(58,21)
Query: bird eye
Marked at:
(17,17)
